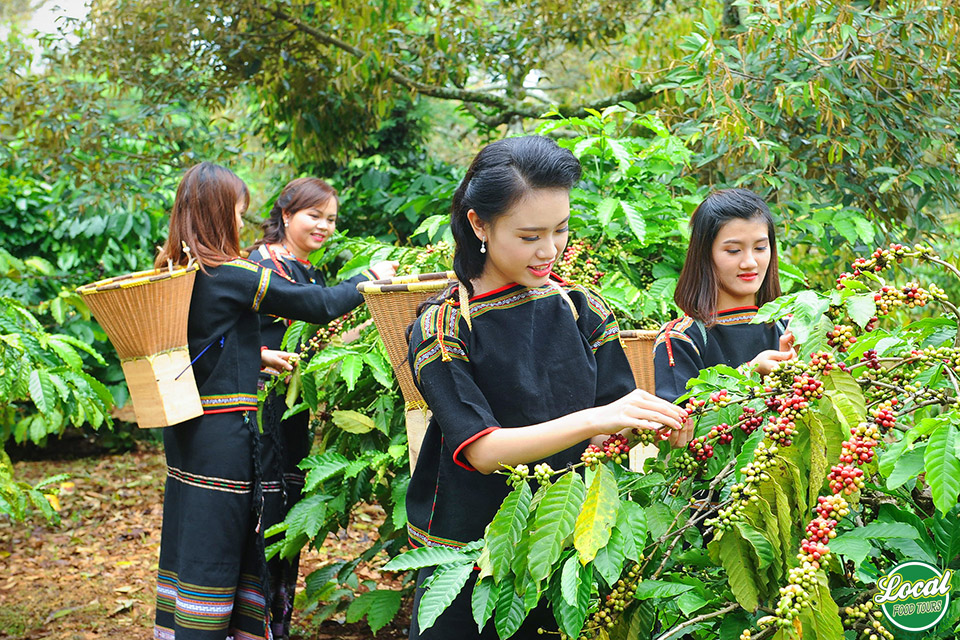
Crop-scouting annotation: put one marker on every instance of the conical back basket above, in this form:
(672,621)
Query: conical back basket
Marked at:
(638,345)
(393,306)
(145,316)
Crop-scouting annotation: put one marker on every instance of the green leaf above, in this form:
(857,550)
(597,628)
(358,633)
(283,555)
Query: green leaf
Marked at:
(307,516)
(634,220)
(571,614)
(570,581)
(759,542)
(943,467)
(380,606)
(852,547)
(42,391)
(880,531)
(946,533)
(599,513)
(510,610)
(909,465)
(845,397)
(350,370)
(659,518)
(608,207)
(825,612)
(445,584)
(741,571)
(554,521)
(819,462)
(483,600)
(425,557)
(660,589)
(861,308)
(353,422)
(321,468)
(505,529)
(632,525)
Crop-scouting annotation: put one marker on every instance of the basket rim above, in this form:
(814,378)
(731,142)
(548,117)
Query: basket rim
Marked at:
(135,279)
(638,333)
(411,282)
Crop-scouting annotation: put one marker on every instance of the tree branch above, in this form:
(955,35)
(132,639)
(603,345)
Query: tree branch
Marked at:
(507,108)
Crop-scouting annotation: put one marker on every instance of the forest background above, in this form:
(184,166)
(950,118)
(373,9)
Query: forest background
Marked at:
(841,114)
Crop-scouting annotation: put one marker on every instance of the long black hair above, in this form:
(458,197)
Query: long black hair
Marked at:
(502,174)
(697,287)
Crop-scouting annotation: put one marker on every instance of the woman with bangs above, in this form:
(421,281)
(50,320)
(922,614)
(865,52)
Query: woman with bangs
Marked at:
(212,578)
(730,271)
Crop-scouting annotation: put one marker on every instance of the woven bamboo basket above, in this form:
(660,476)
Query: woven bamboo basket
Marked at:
(638,345)
(393,306)
(145,317)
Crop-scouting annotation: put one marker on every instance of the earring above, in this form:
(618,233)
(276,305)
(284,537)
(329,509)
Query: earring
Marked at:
(286,224)
(483,246)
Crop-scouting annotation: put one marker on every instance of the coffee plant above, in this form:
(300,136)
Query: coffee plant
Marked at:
(800,489)
(43,389)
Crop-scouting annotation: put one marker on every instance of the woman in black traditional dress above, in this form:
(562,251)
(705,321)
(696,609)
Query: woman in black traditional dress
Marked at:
(212,572)
(730,271)
(516,365)
(303,217)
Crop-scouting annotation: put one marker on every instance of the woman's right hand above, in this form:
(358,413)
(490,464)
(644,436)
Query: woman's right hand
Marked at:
(639,410)
(384,270)
(765,361)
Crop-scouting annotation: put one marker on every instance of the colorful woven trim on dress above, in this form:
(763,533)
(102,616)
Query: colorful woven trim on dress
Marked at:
(193,606)
(227,402)
(675,330)
(209,482)
(262,287)
(420,538)
(511,299)
(610,332)
(740,315)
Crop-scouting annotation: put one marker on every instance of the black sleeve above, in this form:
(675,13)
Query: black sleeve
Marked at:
(600,327)
(268,293)
(442,371)
(676,359)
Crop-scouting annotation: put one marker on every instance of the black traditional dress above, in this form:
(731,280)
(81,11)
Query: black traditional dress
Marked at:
(287,442)
(211,580)
(526,360)
(685,346)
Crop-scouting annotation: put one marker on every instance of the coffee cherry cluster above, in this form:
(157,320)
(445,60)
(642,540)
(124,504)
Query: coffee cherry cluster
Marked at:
(577,264)
(614,448)
(881,258)
(700,449)
(841,337)
(542,473)
(429,258)
(749,421)
(651,436)
(518,475)
(865,618)
(616,602)
(846,479)
(745,492)
(722,433)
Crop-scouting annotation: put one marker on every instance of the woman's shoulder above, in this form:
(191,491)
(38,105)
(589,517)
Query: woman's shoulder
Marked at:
(585,298)
(684,328)
(443,318)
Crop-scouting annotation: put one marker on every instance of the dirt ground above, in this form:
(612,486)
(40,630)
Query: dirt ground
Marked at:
(94,575)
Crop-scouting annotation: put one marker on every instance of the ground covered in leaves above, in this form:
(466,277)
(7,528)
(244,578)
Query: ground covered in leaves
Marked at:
(93,576)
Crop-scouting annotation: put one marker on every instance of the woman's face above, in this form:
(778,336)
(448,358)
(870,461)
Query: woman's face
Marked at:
(307,229)
(741,255)
(524,243)
(238,210)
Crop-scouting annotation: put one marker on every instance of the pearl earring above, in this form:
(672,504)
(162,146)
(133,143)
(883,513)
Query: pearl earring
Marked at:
(483,246)
(286,224)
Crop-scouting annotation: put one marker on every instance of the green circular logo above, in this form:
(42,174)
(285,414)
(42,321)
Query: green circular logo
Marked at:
(914,595)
